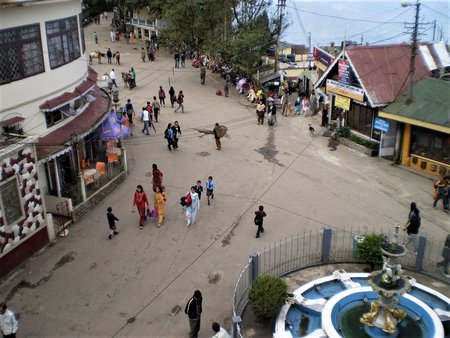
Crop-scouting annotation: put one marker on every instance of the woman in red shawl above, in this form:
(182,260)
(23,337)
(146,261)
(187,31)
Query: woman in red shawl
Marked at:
(140,201)
(157,178)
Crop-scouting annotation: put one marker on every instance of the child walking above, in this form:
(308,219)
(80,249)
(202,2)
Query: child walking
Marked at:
(209,186)
(112,222)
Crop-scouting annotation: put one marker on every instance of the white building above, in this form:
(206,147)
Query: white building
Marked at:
(48,92)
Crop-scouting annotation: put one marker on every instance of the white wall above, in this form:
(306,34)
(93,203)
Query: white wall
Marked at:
(23,97)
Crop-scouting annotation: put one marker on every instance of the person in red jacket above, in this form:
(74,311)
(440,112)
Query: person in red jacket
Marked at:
(140,201)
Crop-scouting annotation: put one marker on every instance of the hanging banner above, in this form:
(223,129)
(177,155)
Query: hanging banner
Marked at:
(342,102)
(344,74)
(345,90)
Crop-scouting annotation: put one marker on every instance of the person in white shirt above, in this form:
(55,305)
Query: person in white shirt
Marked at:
(220,331)
(8,322)
(112,76)
(145,118)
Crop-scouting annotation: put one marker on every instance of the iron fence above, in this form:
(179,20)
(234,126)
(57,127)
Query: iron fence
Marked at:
(327,246)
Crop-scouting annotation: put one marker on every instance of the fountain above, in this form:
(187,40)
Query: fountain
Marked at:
(389,283)
(381,304)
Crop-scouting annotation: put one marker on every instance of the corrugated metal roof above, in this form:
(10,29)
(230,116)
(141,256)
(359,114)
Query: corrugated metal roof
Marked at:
(431,103)
(383,70)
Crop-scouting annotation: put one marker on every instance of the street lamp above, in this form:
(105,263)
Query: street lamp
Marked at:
(407,3)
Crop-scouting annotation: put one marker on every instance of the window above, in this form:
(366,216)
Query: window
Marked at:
(83,46)
(53,117)
(11,201)
(430,144)
(21,53)
(63,42)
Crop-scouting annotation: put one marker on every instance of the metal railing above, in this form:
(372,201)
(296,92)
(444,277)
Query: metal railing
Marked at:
(327,246)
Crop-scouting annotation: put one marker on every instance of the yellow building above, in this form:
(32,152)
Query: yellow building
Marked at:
(425,132)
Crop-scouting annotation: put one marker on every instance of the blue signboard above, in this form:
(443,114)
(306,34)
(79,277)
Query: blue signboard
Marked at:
(381,124)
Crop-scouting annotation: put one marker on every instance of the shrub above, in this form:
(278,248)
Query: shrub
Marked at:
(267,295)
(369,249)
(345,132)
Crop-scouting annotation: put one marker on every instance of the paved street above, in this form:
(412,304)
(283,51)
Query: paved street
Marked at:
(88,286)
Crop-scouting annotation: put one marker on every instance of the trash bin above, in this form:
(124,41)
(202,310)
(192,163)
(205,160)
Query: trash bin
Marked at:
(356,240)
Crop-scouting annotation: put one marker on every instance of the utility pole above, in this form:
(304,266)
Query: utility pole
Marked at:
(362,39)
(281,5)
(412,66)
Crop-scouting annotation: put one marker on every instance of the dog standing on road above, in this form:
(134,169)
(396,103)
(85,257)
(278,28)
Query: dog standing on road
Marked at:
(311,129)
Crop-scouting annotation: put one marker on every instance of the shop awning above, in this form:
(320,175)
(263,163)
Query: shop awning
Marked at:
(430,107)
(12,121)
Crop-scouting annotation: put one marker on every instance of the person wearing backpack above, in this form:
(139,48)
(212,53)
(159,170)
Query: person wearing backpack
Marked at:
(180,100)
(162,96)
(192,206)
(441,193)
(412,226)
(168,135)
(259,220)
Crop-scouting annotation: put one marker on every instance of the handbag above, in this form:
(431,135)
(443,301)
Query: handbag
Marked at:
(155,213)
(436,194)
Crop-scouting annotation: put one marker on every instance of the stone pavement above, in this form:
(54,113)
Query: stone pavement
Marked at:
(137,284)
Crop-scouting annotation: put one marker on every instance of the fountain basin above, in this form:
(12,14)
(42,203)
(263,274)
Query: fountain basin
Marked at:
(343,302)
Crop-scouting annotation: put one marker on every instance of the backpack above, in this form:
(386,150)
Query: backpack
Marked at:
(166,134)
(258,220)
(188,200)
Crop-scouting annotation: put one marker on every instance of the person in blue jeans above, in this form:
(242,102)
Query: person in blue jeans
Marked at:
(259,220)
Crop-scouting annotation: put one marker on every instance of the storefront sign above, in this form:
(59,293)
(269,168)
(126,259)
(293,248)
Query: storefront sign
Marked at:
(323,57)
(381,124)
(344,73)
(342,102)
(345,90)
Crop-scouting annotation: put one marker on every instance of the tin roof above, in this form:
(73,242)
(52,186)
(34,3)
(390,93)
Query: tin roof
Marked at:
(82,124)
(383,70)
(431,103)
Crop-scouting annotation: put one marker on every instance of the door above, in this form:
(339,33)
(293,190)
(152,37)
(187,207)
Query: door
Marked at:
(387,142)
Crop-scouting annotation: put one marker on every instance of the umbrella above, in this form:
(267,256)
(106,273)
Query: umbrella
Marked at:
(110,129)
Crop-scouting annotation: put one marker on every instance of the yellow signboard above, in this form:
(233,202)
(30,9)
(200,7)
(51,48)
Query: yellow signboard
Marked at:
(342,102)
(345,90)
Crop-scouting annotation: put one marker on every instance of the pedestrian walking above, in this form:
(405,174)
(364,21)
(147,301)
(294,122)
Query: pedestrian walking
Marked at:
(168,135)
(260,111)
(129,109)
(173,97)
(225,89)
(156,107)
(157,178)
(109,55)
(145,118)
(180,100)
(202,75)
(259,220)
(298,105)
(284,103)
(209,186)
(9,324)
(111,222)
(112,76)
(446,255)
(112,34)
(199,189)
(162,96)
(132,73)
(192,208)
(160,205)
(183,59)
(217,132)
(441,193)
(193,310)
(176,134)
(143,54)
(272,114)
(219,331)
(412,226)
(132,38)
(140,201)
(95,37)
(176,56)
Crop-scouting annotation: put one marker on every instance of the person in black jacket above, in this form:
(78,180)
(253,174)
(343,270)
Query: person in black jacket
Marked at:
(111,222)
(194,310)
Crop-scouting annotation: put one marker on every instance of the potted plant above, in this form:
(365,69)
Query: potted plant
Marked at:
(369,250)
(267,295)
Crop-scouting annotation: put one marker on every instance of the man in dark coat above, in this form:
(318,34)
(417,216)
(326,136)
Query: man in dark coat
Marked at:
(194,310)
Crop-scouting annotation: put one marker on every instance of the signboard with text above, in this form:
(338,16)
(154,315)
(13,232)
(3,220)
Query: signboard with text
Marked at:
(381,124)
(344,75)
(342,102)
(345,90)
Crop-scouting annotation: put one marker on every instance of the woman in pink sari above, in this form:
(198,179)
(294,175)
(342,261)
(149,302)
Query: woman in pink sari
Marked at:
(140,201)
